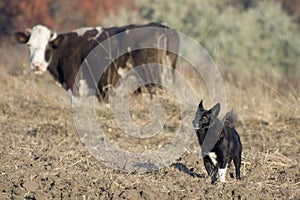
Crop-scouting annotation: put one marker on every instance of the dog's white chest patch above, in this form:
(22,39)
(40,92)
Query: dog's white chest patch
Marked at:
(213,157)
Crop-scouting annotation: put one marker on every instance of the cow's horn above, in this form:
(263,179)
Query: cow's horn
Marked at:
(53,36)
(28,30)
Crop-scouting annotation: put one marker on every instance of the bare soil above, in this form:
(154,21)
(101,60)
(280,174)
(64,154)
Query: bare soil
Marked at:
(42,156)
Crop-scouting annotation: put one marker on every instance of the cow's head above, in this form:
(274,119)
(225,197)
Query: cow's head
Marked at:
(37,40)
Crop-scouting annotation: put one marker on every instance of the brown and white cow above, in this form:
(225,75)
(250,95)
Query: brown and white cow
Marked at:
(63,54)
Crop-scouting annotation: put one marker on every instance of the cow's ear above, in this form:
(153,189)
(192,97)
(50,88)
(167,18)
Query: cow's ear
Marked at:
(215,110)
(55,43)
(22,37)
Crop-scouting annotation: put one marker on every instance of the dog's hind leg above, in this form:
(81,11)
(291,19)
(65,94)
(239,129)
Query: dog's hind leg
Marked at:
(229,167)
(237,163)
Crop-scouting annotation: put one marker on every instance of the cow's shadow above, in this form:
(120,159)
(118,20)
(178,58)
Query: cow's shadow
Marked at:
(183,168)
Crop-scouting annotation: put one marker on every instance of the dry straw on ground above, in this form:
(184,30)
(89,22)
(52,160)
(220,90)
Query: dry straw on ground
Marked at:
(43,157)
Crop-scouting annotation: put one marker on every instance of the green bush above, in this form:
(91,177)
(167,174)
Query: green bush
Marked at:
(260,38)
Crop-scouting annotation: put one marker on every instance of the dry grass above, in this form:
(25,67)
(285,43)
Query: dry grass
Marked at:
(43,157)
(263,98)
(253,96)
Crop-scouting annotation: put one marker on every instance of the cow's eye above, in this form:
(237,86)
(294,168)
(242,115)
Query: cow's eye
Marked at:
(47,54)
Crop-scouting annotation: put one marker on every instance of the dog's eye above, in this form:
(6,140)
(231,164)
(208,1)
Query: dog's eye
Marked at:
(205,119)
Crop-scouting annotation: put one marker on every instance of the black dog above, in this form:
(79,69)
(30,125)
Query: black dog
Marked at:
(222,144)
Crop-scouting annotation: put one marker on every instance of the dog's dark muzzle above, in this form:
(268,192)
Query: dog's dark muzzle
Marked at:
(196,124)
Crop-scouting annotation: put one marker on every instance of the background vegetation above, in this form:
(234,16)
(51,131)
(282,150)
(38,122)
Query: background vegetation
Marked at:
(258,36)
(250,34)
(255,44)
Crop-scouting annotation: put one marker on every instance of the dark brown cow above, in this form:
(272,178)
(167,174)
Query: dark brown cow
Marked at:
(63,54)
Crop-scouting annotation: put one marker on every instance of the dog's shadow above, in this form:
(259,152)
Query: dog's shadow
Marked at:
(183,168)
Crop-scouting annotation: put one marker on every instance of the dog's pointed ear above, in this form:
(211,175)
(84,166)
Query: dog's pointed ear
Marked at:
(22,37)
(215,110)
(201,105)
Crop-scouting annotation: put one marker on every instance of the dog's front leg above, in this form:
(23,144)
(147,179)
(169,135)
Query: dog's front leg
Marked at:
(222,171)
(208,165)
(211,169)
(214,175)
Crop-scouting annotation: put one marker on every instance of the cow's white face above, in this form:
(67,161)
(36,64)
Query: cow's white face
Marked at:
(37,41)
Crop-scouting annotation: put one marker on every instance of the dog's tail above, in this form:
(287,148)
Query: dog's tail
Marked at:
(230,119)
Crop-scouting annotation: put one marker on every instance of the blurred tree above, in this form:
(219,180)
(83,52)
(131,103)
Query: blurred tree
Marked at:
(254,35)
(293,7)
(63,14)
(19,13)
(262,39)
(5,17)
(77,13)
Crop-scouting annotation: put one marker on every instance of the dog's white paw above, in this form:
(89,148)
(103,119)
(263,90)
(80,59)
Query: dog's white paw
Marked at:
(222,174)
